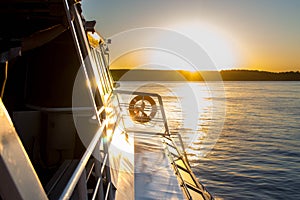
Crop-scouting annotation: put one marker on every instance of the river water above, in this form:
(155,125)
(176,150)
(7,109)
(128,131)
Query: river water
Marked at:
(242,138)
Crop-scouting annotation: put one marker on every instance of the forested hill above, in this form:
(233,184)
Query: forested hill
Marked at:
(255,75)
(225,75)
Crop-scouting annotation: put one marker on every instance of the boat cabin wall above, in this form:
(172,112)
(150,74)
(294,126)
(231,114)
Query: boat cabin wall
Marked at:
(39,85)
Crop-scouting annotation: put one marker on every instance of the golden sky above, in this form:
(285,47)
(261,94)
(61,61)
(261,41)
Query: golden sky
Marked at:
(256,34)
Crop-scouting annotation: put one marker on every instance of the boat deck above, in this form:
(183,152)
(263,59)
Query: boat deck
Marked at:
(154,177)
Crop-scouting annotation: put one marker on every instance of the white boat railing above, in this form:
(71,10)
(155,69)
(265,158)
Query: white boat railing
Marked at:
(99,86)
(163,119)
(67,193)
(102,96)
(192,191)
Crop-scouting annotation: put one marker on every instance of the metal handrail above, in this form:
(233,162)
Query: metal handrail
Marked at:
(182,145)
(60,109)
(91,71)
(153,95)
(168,135)
(96,188)
(71,19)
(183,184)
(67,193)
(99,179)
(161,106)
(107,191)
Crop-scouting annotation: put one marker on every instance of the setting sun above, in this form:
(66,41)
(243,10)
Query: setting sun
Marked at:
(218,45)
(188,46)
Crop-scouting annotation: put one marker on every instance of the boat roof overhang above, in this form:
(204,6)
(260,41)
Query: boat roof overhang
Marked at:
(22,18)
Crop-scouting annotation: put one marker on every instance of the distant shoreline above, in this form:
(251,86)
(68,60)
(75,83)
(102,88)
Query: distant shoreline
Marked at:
(181,75)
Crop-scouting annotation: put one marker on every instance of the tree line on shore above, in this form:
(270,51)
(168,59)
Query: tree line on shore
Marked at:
(182,75)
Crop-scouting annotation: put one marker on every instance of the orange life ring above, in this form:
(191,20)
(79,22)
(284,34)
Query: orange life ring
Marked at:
(142,109)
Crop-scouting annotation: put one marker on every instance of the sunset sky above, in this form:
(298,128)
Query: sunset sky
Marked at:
(245,34)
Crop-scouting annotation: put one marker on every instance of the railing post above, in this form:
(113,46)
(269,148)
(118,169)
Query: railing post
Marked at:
(106,167)
(99,192)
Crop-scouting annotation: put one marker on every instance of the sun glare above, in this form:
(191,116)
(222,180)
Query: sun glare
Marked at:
(155,59)
(218,45)
(182,47)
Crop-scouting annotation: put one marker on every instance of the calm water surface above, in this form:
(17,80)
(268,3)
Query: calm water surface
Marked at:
(257,149)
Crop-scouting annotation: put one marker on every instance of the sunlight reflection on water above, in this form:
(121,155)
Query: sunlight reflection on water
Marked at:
(257,153)
(192,109)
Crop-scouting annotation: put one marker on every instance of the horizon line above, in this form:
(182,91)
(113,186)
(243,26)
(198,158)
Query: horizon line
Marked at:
(234,69)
